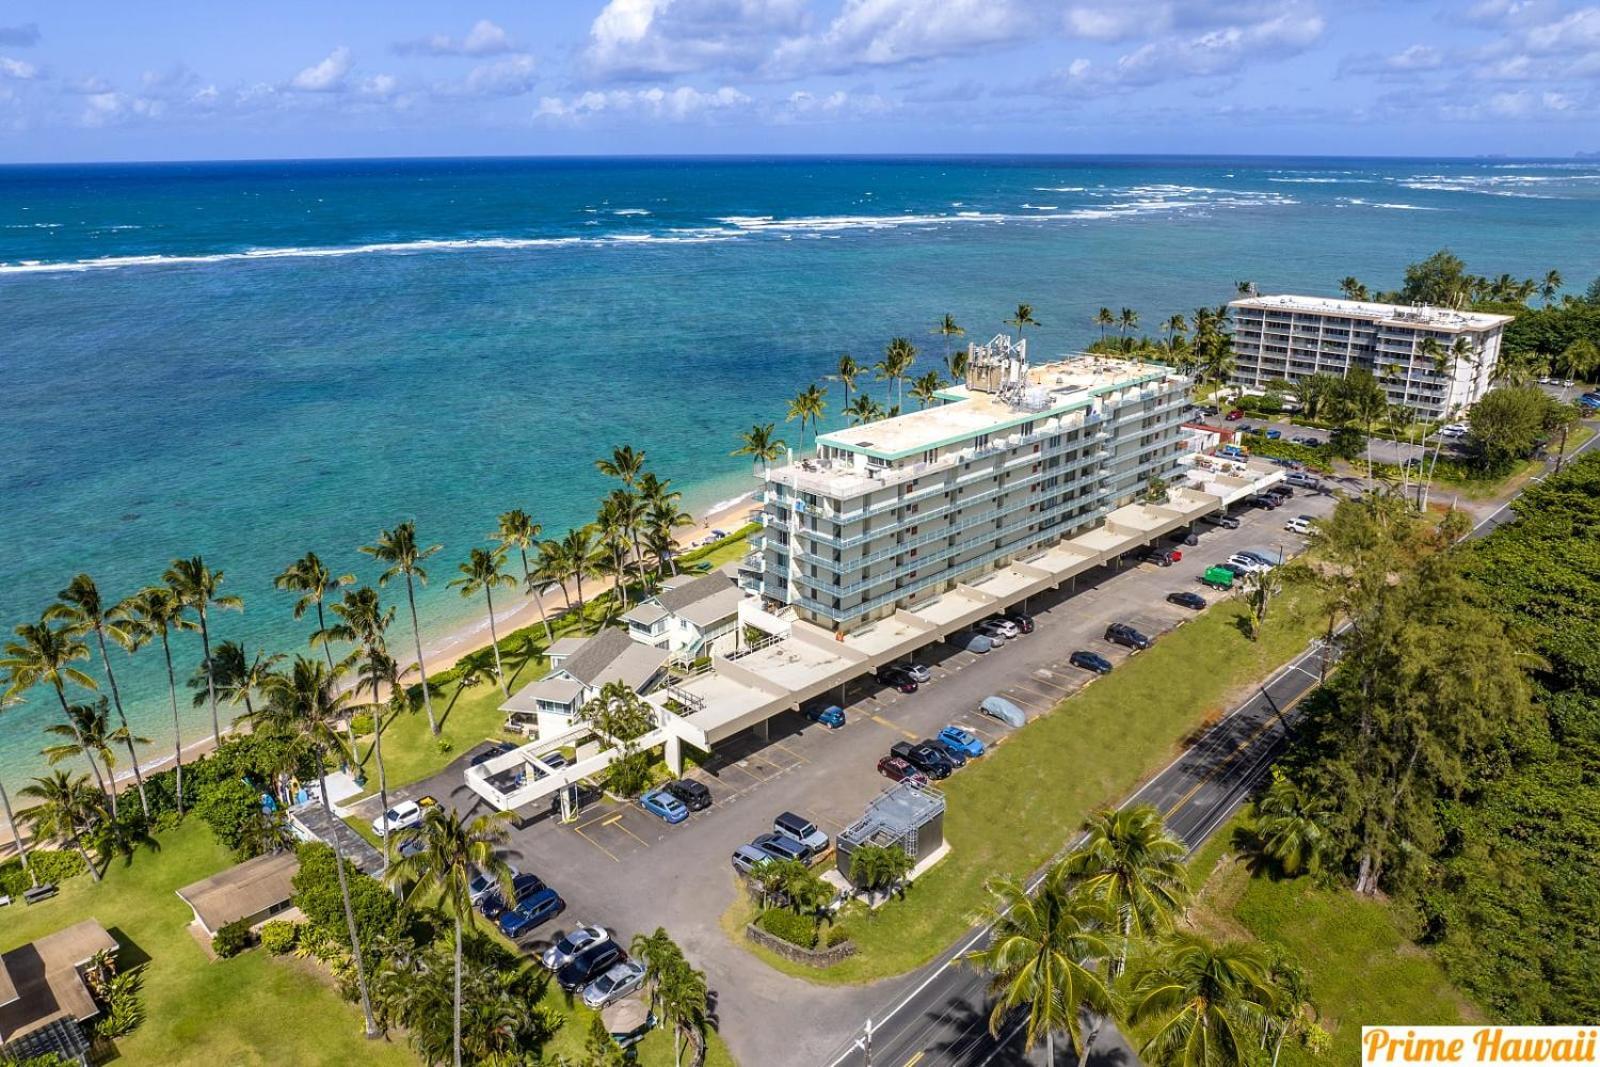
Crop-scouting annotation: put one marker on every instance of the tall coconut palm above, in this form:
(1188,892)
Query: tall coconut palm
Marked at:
(313,581)
(864,409)
(8,701)
(483,572)
(1103,318)
(624,464)
(305,703)
(761,444)
(664,517)
(379,671)
(847,372)
(365,622)
(1352,288)
(1023,316)
(445,852)
(926,388)
(154,613)
(577,549)
(898,356)
(1130,860)
(1041,957)
(947,329)
(1550,286)
(91,736)
(613,526)
(1127,319)
(1204,1000)
(1364,403)
(1176,325)
(518,530)
(955,364)
(45,654)
(400,550)
(683,1000)
(64,810)
(551,569)
(196,586)
(79,605)
(808,406)
(1292,826)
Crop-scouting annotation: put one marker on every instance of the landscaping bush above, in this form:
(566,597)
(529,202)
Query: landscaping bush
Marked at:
(1313,458)
(630,775)
(231,939)
(789,926)
(124,1011)
(836,935)
(49,866)
(228,807)
(316,893)
(279,936)
(362,723)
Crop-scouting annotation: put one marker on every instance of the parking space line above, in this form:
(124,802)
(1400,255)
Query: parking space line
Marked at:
(579,831)
(881,721)
(617,822)
(792,752)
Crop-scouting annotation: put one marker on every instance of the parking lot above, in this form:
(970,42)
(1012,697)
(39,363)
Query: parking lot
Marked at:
(622,867)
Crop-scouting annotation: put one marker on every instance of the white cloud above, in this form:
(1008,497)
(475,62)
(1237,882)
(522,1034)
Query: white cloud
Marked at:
(16,68)
(327,76)
(678,104)
(379,86)
(1558,102)
(1578,31)
(803,104)
(511,76)
(109,108)
(885,33)
(1406,63)
(642,39)
(484,39)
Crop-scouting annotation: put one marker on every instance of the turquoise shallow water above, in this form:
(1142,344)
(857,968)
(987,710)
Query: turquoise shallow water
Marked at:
(248,361)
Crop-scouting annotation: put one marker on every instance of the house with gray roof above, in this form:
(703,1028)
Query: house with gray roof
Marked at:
(691,617)
(577,673)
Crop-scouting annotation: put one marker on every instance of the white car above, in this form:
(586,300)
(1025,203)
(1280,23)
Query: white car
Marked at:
(570,944)
(402,816)
(1455,429)
(1300,525)
(1248,563)
(615,984)
(1006,627)
(479,885)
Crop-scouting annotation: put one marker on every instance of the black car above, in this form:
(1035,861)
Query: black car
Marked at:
(1120,633)
(1090,661)
(695,796)
(1281,489)
(589,964)
(1263,501)
(499,748)
(1161,557)
(523,886)
(930,761)
(897,678)
(1187,600)
(956,757)
(1020,619)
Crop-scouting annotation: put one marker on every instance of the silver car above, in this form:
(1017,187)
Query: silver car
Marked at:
(615,984)
(919,673)
(570,944)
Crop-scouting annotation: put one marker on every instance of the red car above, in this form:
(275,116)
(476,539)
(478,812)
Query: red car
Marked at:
(898,770)
(1234,416)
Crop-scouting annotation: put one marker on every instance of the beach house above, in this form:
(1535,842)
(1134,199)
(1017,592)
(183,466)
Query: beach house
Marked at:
(578,669)
(693,617)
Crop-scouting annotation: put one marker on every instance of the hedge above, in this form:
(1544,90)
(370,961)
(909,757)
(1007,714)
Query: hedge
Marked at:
(49,865)
(232,939)
(789,926)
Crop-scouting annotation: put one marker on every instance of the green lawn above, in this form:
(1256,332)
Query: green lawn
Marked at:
(1363,969)
(1009,812)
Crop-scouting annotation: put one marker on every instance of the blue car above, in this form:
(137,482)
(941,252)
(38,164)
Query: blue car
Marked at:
(541,907)
(1273,435)
(1090,661)
(523,887)
(962,741)
(664,805)
(831,716)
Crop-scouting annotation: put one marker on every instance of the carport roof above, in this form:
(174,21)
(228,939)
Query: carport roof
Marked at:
(950,606)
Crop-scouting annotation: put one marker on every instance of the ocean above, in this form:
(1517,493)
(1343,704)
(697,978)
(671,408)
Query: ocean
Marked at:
(248,361)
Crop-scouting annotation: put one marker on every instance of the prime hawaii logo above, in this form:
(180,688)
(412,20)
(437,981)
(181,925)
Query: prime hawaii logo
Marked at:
(1466,1046)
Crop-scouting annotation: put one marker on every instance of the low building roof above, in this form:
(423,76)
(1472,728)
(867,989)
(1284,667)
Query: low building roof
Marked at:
(715,608)
(565,646)
(597,653)
(676,598)
(553,687)
(243,890)
(42,979)
(635,667)
(646,614)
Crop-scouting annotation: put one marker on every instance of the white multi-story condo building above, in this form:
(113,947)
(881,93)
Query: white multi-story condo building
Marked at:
(891,514)
(1287,338)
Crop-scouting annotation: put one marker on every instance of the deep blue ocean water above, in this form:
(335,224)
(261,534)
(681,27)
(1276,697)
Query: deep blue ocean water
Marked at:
(247,361)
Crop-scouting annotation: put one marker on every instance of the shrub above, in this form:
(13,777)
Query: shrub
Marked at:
(445,746)
(231,939)
(629,776)
(227,807)
(279,936)
(49,865)
(788,926)
(124,1011)
(837,935)
(362,723)
(316,893)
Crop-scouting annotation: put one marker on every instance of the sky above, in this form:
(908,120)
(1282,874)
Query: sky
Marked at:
(176,79)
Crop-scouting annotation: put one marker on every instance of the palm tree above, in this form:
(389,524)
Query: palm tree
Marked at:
(1352,288)
(947,328)
(482,573)
(399,549)
(577,549)
(864,409)
(1364,402)
(238,676)
(612,523)
(677,991)
(364,621)
(879,868)
(1175,326)
(848,371)
(518,530)
(65,809)
(440,871)
(89,734)
(898,356)
(925,389)
(1023,316)
(8,701)
(79,606)
(1549,287)
(624,464)
(664,517)
(1041,957)
(196,587)
(956,364)
(808,406)
(1246,288)
(305,703)
(1292,826)
(46,654)
(1103,318)
(1127,319)
(155,612)
(1203,999)
(551,569)
(1130,861)
(760,444)
(313,581)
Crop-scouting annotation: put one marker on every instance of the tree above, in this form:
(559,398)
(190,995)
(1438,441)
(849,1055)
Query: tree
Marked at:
(399,549)
(45,654)
(678,993)
(947,329)
(926,388)
(1292,826)
(79,605)
(90,735)
(1203,1000)
(761,445)
(309,577)
(446,853)
(1103,318)
(1441,279)
(364,621)
(518,530)
(879,868)
(155,612)
(1130,861)
(808,406)
(1021,317)
(1259,589)
(864,409)
(65,809)
(614,524)
(1042,955)
(1508,424)
(482,573)
(1362,401)
(8,701)
(1550,286)
(577,555)
(847,373)
(1127,319)
(196,585)
(896,363)
(1352,288)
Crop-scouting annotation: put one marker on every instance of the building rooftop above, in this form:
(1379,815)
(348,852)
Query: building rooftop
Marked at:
(565,646)
(646,614)
(613,656)
(1415,315)
(243,890)
(40,982)
(901,808)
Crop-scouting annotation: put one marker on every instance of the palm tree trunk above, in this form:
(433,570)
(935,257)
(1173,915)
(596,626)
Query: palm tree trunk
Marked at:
(177,720)
(111,781)
(16,835)
(1049,1048)
(322,629)
(211,679)
(527,580)
(455,1020)
(422,668)
(77,843)
(349,912)
(377,754)
(494,642)
(127,734)
(61,694)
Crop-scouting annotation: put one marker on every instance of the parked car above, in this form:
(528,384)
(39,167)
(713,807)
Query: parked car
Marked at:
(1248,564)
(1263,501)
(1219,577)
(918,671)
(623,978)
(1120,633)
(480,884)
(957,758)
(662,804)
(746,858)
(1273,435)
(1233,452)
(694,795)
(924,758)
(895,678)
(898,770)
(1308,441)
(1227,522)
(1002,709)
(829,715)
(498,748)
(783,847)
(1161,557)
(571,943)
(492,904)
(1235,415)
(1299,524)
(554,760)
(1282,489)
(972,641)
(1210,409)
(589,964)
(969,743)
(1000,624)
(1193,601)
(1261,557)
(403,816)
(1303,480)
(1021,620)
(802,830)
(531,912)
(1090,661)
